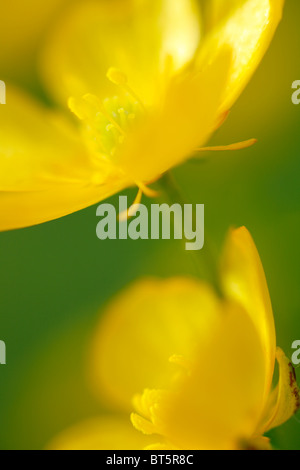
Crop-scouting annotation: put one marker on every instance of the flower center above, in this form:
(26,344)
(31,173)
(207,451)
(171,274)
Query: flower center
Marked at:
(152,406)
(105,124)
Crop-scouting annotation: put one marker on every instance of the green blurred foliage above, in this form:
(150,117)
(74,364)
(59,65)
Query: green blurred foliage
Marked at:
(55,278)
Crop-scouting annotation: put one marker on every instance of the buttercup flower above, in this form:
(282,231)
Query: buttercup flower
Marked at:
(196,368)
(147,86)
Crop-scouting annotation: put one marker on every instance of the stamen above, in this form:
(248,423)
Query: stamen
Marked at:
(125,215)
(148,407)
(232,147)
(131,212)
(147,191)
(142,424)
(76,107)
(120,79)
(110,127)
(123,117)
(81,109)
(143,403)
(92,99)
(106,124)
(117,77)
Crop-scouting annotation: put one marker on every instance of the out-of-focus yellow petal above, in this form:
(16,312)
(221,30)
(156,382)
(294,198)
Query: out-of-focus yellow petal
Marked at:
(24,209)
(45,171)
(136,36)
(187,118)
(142,329)
(36,147)
(248,29)
(285,400)
(244,280)
(101,434)
(23,26)
(218,404)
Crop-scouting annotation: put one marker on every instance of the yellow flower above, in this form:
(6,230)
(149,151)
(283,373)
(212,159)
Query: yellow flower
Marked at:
(147,89)
(197,368)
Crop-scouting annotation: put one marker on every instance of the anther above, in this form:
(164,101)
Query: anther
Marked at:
(109,127)
(116,77)
(76,108)
(120,79)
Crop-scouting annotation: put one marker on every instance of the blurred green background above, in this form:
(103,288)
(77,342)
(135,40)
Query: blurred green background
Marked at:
(55,278)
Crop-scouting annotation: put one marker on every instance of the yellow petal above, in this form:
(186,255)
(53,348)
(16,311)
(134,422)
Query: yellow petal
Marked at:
(186,120)
(106,433)
(146,325)
(136,36)
(219,404)
(45,171)
(21,33)
(285,399)
(216,11)
(244,280)
(35,148)
(24,209)
(248,29)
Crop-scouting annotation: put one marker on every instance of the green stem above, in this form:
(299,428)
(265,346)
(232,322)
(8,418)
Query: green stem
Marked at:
(204,258)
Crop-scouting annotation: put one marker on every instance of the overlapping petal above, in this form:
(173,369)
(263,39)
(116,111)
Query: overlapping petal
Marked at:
(218,404)
(244,281)
(135,36)
(142,329)
(101,434)
(215,12)
(248,28)
(187,118)
(23,26)
(45,170)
